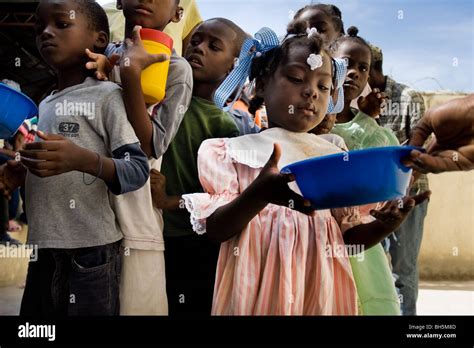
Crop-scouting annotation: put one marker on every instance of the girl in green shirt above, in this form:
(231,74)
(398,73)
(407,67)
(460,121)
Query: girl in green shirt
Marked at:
(374,282)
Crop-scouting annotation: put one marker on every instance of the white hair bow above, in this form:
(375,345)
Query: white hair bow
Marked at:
(311,32)
(315,61)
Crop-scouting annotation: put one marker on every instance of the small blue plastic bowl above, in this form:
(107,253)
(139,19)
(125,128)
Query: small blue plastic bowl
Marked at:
(15,107)
(353,178)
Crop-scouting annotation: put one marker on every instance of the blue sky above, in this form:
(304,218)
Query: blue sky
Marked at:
(430,48)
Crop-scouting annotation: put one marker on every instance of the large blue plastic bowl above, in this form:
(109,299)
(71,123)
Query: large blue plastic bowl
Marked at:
(15,107)
(354,177)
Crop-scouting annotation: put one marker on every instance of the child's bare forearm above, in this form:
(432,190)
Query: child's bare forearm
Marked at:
(231,219)
(135,106)
(367,235)
(89,163)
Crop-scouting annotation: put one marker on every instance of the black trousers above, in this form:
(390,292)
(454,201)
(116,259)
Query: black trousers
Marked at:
(190,274)
(83,281)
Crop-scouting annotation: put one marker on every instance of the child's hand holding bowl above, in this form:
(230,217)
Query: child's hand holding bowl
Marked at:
(271,186)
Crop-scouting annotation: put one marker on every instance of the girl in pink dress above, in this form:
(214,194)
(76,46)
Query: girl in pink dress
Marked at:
(278,256)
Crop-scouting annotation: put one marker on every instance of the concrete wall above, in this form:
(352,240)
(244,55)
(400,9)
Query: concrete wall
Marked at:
(447,250)
(434,99)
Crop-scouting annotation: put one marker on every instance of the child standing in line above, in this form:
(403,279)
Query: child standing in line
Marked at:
(191,259)
(327,19)
(180,31)
(143,284)
(375,285)
(406,109)
(82,125)
(358,129)
(277,255)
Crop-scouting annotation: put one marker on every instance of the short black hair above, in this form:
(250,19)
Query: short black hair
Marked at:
(352,35)
(95,14)
(267,64)
(332,11)
(241,34)
(377,66)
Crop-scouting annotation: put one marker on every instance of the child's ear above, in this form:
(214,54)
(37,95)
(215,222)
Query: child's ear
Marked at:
(235,63)
(178,15)
(119,5)
(101,41)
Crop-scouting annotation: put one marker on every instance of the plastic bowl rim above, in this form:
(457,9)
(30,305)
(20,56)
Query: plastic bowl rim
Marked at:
(286,169)
(23,95)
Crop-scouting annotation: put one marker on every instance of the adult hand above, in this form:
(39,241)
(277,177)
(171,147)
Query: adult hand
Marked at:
(452,148)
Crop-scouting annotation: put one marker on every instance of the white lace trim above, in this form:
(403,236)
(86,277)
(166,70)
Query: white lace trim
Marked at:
(199,217)
(199,226)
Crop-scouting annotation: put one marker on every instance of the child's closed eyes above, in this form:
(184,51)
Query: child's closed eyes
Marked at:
(294,79)
(297,76)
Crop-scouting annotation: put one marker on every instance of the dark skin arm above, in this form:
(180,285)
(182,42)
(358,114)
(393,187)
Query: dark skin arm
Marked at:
(56,155)
(270,186)
(136,59)
(388,220)
(452,148)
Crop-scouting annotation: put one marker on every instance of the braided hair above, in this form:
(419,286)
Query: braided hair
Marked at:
(352,35)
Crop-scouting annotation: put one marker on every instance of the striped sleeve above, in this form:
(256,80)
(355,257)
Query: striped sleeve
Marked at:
(218,177)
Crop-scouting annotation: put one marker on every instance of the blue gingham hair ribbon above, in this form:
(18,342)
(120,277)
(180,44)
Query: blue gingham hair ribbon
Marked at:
(340,71)
(265,40)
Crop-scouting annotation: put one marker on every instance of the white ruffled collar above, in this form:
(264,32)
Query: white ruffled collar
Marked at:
(254,150)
